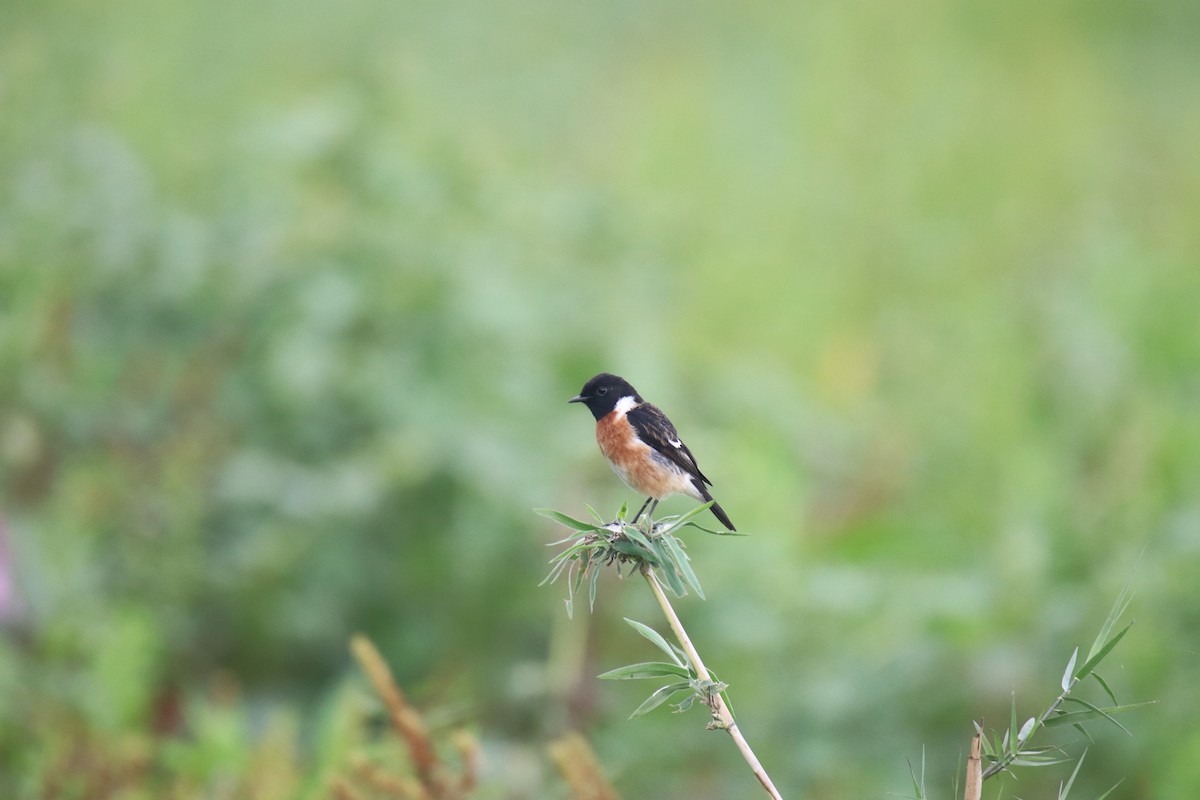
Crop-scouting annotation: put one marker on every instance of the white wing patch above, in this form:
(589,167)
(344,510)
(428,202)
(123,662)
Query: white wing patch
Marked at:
(678,445)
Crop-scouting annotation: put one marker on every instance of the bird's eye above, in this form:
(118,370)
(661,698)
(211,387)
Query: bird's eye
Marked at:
(603,390)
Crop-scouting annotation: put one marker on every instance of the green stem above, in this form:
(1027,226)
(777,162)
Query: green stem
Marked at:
(722,718)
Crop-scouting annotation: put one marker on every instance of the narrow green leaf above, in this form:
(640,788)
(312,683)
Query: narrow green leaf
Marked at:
(999,746)
(592,511)
(633,550)
(1026,730)
(1118,609)
(669,570)
(1021,761)
(555,571)
(1104,685)
(918,790)
(1063,791)
(1070,673)
(986,744)
(573,536)
(660,696)
(1072,717)
(563,519)
(1083,731)
(1010,736)
(595,569)
(713,531)
(683,519)
(683,562)
(634,535)
(1098,710)
(655,637)
(1111,789)
(1094,660)
(647,669)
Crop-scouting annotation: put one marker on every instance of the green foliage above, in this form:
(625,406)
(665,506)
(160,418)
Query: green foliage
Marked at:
(693,687)
(292,297)
(594,546)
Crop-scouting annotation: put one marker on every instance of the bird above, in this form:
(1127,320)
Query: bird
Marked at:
(642,446)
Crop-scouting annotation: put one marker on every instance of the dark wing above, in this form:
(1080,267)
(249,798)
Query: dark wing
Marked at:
(653,428)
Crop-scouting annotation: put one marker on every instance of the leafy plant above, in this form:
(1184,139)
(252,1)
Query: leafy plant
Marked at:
(659,556)
(1014,747)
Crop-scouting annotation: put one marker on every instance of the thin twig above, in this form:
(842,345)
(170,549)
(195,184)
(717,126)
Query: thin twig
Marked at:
(722,718)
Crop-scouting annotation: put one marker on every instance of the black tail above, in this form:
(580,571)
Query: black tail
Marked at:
(715,508)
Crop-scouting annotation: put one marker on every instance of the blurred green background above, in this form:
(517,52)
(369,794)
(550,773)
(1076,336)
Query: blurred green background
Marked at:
(292,297)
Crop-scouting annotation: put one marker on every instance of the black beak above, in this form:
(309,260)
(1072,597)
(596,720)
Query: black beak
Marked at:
(577,399)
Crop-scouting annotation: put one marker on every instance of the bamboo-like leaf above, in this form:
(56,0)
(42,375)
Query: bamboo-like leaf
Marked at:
(683,519)
(683,562)
(570,537)
(656,638)
(595,570)
(669,570)
(1041,761)
(1083,731)
(985,743)
(918,792)
(713,531)
(555,571)
(1104,685)
(647,669)
(1063,791)
(634,535)
(592,511)
(1010,735)
(1070,673)
(1072,717)
(1111,789)
(563,519)
(660,696)
(1000,746)
(634,550)
(1119,607)
(1096,709)
(1094,660)
(1027,730)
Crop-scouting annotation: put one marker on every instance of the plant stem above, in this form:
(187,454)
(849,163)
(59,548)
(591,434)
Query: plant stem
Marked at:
(974,783)
(722,718)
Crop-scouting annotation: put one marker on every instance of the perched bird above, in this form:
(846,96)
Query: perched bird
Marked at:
(642,446)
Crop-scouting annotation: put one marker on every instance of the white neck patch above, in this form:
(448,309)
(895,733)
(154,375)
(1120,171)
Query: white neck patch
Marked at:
(625,405)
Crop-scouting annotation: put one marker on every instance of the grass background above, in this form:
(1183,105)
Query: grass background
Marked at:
(292,296)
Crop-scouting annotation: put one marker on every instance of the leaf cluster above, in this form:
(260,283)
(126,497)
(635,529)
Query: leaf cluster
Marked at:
(680,672)
(594,545)
(1014,748)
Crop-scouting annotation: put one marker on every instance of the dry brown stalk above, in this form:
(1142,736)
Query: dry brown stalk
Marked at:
(580,768)
(974,781)
(404,718)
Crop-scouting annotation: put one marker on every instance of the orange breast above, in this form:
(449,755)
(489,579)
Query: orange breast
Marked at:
(636,463)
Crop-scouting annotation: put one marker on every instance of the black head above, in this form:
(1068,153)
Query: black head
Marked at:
(602,392)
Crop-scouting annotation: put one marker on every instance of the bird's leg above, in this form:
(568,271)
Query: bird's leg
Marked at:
(650,514)
(638,515)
